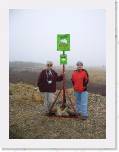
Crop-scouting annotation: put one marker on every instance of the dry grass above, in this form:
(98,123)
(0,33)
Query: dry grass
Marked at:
(27,119)
(97,75)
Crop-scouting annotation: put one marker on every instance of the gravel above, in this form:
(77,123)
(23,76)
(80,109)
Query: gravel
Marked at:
(28,121)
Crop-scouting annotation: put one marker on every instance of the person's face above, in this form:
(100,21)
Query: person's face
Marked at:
(79,66)
(49,66)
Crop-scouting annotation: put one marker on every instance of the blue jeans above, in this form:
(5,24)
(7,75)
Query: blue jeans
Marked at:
(82,103)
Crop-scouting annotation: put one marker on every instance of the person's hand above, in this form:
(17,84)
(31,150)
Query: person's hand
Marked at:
(36,88)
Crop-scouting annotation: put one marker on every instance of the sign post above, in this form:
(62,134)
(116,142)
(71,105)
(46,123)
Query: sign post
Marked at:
(63,44)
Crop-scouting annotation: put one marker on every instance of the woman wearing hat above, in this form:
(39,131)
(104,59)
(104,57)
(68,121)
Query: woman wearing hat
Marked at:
(47,84)
(80,80)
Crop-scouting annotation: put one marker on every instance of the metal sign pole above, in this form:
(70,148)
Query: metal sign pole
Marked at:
(63,87)
(63,44)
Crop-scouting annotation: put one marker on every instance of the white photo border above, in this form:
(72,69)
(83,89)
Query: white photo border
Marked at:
(111,112)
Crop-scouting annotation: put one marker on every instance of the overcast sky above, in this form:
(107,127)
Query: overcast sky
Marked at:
(33,35)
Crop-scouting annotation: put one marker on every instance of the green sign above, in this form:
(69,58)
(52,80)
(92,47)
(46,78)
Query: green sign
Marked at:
(63,42)
(63,59)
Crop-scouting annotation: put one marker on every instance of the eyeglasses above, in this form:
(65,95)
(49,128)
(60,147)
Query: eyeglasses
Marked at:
(49,64)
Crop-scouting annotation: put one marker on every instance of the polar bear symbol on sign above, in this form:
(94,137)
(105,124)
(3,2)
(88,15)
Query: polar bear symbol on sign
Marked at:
(63,41)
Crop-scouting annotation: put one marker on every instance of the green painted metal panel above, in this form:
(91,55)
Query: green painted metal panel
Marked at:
(63,42)
(63,59)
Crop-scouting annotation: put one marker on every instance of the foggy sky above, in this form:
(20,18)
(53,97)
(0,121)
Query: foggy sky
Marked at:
(33,35)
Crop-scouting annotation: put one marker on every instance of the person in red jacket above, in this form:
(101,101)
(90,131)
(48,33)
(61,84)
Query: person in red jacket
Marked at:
(47,84)
(80,80)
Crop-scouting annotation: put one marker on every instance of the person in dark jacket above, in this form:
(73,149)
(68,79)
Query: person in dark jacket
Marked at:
(47,84)
(80,80)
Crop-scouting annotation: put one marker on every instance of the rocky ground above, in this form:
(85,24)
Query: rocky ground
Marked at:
(27,119)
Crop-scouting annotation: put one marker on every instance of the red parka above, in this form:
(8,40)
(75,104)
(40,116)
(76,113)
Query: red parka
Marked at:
(80,80)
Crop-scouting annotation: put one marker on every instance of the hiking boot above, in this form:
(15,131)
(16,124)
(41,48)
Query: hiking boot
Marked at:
(50,114)
(46,114)
(78,114)
(84,117)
